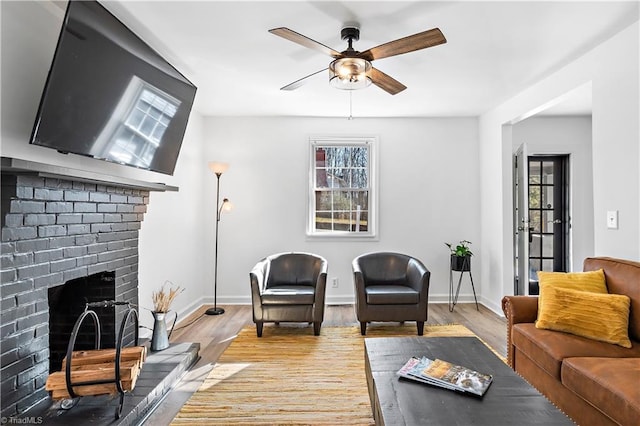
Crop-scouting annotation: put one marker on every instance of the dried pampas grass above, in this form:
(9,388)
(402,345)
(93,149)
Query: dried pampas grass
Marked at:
(162,299)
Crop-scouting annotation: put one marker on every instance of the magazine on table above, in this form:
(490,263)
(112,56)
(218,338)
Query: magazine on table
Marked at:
(446,375)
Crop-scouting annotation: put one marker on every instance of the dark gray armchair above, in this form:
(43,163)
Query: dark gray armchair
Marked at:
(289,287)
(390,287)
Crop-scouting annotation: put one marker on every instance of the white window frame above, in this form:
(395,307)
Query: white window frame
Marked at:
(371,143)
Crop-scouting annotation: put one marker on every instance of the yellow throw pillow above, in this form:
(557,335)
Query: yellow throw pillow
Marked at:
(602,317)
(593,281)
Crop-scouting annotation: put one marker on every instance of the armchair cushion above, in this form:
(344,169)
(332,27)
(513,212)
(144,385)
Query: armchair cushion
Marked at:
(391,295)
(289,295)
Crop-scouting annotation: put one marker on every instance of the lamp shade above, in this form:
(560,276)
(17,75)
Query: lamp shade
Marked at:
(217,167)
(350,73)
(226,205)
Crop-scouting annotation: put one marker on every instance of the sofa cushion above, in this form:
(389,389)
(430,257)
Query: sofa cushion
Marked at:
(592,281)
(603,317)
(391,295)
(623,277)
(610,384)
(549,348)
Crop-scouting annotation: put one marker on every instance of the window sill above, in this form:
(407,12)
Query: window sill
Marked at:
(341,237)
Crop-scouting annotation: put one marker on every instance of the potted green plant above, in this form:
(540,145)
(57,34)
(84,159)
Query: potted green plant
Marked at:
(460,256)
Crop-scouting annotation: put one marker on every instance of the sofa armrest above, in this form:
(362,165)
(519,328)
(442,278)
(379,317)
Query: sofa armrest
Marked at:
(518,309)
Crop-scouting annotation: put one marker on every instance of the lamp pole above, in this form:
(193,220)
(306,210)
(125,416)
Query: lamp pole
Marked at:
(218,169)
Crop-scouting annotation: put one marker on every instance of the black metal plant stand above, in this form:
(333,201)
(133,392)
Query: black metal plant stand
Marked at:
(466,267)
(130,313)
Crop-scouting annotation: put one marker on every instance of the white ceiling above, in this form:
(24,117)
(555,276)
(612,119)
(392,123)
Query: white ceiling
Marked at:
(493,50)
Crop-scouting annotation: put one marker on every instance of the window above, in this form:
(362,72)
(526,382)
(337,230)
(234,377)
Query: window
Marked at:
(141,133)
(137,125)
(342,187)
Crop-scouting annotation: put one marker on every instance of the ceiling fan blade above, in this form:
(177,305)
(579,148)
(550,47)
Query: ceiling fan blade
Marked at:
(300,82)
(304,41)
(385,82)
(429,38)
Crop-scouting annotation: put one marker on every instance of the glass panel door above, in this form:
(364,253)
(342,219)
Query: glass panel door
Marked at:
(548,216)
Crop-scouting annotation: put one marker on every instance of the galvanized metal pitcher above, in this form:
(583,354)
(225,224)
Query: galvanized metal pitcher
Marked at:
(160,336)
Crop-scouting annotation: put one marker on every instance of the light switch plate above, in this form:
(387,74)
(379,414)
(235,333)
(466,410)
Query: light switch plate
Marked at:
(612,219)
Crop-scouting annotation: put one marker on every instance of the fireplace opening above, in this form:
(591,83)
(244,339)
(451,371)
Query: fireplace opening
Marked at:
(66,304)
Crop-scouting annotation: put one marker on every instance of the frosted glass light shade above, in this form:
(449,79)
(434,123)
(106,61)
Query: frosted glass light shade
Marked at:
(350,73)
(217,167)
(226,205)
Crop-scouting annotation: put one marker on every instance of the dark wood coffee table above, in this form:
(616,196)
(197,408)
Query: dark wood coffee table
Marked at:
(510,400)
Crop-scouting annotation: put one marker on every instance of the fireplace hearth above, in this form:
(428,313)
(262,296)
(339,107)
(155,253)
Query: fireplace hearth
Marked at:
(59,229)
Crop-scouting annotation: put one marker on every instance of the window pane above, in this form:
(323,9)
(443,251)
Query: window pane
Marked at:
(155,112)
(534,267)
(361,198)
(135,118)
(359,178)
(338,178)
(547,245)
(323,220)
(535,246)
(321,157)
(147,126)
(322,180)
(158,132)
(547,221)
(534,197)
(323,201)
(534,220)
(342,221)
(547,172)
(547,197)
(341,200)
(360,156)
(534,172)
(547,265)
(360,220)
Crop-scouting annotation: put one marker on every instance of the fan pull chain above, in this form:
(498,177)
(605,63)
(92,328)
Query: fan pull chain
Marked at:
(350,104)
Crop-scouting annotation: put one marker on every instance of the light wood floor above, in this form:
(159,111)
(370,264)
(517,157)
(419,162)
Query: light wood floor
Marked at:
(215,333)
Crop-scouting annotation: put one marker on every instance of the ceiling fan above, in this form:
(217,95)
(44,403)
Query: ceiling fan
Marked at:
(350,69)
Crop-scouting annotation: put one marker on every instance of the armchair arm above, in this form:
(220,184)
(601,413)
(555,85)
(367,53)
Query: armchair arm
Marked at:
(358,281)
(258,279)
(518,309)
(418,278)
(320,290)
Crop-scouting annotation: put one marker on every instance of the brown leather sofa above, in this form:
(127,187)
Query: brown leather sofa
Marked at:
(289,287)
(390,287)
(594,383)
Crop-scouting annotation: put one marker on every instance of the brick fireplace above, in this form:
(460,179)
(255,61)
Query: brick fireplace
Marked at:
(58,229)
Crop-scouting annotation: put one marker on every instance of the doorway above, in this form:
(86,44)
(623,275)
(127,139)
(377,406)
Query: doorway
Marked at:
(541,196)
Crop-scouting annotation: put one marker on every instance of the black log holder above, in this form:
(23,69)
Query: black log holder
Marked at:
(89,312)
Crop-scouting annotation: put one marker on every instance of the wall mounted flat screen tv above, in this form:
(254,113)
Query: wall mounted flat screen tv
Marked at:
(110,96)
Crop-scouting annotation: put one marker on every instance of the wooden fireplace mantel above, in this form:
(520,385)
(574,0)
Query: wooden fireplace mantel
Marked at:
(16,165)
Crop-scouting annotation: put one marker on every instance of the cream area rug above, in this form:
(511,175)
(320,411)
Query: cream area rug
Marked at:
(291,377)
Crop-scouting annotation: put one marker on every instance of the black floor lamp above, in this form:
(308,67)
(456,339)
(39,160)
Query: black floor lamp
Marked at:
(218,169)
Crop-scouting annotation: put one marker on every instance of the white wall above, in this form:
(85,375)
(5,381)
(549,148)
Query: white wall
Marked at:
(170,245)
(572,136)
(612,68)
(429,194)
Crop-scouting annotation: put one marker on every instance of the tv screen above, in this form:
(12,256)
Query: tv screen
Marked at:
(110,96)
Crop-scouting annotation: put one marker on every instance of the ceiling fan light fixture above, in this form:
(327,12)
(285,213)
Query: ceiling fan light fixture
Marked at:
(350,73)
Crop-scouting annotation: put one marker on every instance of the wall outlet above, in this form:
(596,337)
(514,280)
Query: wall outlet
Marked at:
(334,282)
